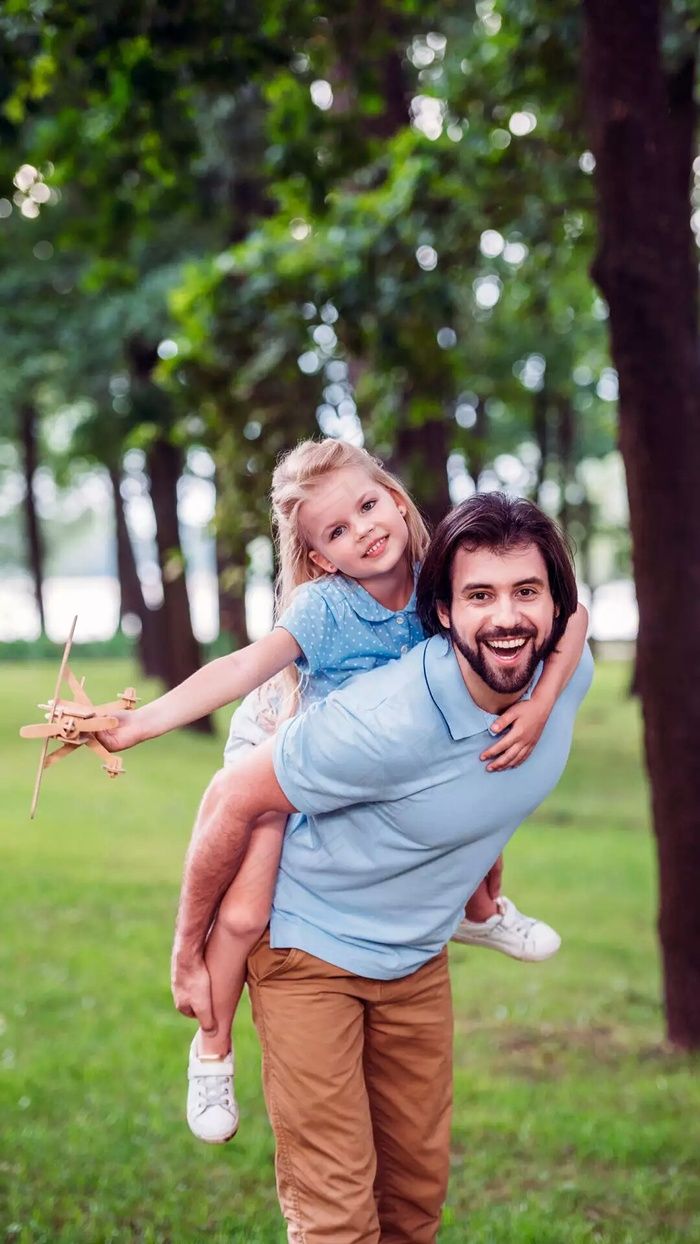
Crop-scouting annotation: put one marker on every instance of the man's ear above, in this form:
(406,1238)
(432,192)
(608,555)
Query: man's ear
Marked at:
(443,614)
(322,562)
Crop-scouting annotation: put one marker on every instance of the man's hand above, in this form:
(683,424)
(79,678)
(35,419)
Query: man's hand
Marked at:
(191,988)
(526,720)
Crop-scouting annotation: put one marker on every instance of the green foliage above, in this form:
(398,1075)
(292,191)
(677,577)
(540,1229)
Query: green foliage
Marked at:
(203,190)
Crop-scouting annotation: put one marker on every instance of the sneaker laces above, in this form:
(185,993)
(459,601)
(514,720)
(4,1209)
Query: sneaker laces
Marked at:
(513,919)
(214,1091)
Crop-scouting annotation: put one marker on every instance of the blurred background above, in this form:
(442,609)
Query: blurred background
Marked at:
(466,236)
(363,227)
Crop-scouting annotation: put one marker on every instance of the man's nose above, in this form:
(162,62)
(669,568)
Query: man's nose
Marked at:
(505,613)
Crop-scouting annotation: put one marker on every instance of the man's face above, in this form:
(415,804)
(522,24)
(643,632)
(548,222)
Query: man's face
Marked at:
(501,614)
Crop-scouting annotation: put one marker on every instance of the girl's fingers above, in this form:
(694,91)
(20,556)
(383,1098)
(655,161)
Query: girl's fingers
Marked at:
(501,746)
(510,758)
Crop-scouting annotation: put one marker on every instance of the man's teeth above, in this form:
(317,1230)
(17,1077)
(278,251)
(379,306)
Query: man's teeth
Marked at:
(506,643)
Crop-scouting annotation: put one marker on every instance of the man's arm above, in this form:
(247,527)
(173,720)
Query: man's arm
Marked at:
(232,803)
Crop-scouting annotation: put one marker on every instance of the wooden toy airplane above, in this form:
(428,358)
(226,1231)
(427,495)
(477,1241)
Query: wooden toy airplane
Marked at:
(74,722)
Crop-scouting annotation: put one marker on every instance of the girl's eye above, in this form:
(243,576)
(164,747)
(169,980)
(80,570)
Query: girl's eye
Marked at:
(369,505)
(337,531)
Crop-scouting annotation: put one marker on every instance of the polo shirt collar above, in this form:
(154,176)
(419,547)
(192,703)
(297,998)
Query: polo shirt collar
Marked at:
(449,692)
(365,606)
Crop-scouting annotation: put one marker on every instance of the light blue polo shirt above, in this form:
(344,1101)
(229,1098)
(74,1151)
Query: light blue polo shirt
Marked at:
(402,820)
(343,631)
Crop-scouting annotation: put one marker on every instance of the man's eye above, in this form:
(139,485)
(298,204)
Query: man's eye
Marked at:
(478,596)
(528,591)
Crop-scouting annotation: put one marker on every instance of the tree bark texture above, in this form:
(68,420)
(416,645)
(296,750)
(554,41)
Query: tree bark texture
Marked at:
(180,648)
(642,119)
(230,569)
(131,592)
(420,461)
(27,430)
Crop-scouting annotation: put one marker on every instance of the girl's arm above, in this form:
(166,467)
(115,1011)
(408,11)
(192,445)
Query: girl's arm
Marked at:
(527,718)
(215,684)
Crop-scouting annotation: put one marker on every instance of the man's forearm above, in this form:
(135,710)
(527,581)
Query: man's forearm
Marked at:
(232,803)
(219,842)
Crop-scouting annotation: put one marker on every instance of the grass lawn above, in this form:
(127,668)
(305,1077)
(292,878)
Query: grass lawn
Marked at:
(572,1122)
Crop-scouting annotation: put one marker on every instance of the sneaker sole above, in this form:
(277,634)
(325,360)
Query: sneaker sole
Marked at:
(214,1140)
(467,941)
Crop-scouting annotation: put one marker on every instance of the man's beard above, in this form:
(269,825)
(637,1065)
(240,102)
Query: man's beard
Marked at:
(504,680)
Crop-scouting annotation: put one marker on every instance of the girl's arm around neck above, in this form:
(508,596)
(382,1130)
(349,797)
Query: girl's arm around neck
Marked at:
(218,683)
(562,663)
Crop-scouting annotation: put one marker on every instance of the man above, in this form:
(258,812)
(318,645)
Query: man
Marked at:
(350,989)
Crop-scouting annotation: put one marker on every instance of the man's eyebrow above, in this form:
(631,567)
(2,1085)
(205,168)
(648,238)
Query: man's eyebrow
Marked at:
(533,581)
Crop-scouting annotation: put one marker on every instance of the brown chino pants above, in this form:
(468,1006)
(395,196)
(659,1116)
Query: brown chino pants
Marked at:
(357,1076)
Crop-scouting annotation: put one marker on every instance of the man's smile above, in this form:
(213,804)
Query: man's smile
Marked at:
(507,651)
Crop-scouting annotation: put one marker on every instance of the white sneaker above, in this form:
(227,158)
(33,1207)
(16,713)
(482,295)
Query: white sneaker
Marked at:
(212,1112)
(511,932)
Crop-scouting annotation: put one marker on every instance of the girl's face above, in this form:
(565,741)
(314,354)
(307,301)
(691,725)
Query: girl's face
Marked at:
(354,525)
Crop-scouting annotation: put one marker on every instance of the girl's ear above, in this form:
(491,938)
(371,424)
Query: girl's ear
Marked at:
(398,502)
(322,562)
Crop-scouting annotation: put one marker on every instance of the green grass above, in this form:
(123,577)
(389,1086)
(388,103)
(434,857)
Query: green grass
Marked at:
(572,1123)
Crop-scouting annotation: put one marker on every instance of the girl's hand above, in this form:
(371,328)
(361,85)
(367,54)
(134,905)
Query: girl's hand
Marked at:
(526,720)
(127,733)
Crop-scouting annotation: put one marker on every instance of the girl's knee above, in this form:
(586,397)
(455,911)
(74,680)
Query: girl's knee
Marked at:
(243,918)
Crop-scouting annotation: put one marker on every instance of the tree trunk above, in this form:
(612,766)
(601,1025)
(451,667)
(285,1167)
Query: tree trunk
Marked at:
(27,432)
(540,427)
(180,648)
(420,461)
(131,592)
(641,127)
(566,435)
(231,575)
(478,443)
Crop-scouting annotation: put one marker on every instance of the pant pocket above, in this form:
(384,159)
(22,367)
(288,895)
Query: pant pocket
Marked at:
(264,962)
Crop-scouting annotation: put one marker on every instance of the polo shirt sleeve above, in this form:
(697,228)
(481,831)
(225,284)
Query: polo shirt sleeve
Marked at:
(332,757)
(310,621)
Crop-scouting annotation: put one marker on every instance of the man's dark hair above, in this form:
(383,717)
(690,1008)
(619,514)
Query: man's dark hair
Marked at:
(491,520)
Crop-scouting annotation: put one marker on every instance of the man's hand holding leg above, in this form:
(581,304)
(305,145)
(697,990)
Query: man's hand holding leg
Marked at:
(191,989)
(232,803)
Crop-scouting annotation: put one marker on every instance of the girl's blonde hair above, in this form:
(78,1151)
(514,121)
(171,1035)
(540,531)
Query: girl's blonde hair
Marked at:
(293,481)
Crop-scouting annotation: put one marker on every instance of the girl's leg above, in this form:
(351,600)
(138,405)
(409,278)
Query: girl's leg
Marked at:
(493,921)
(242,916)
(482,904)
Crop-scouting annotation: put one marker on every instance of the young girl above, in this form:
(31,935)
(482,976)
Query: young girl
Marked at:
(350,541)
